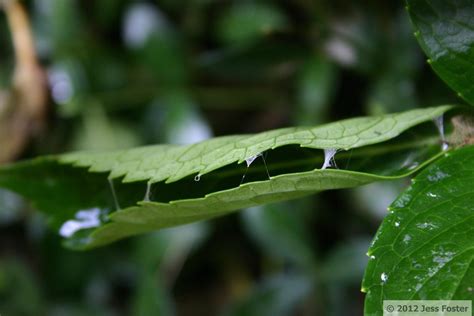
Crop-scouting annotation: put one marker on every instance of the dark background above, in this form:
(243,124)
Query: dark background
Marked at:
(129,73)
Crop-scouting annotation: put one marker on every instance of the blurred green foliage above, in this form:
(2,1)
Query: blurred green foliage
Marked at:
(128,73)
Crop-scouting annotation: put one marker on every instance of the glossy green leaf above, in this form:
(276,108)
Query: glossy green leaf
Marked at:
(424,248)
(445,30)
(168,185)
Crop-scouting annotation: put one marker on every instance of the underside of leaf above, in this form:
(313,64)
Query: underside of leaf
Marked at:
(149,188)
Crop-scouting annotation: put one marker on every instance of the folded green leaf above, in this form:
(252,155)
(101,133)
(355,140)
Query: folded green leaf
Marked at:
(171,163)
(165,185)
(445,31)
(424,249)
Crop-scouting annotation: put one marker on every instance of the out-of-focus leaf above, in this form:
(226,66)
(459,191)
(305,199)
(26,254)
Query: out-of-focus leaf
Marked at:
(277,295)
(245,22)
(74,309)
(424,247)
(10,206)
(260,62)
(108,11)
(159,268)
(315,87)
(151,297)
(140,22)
(58,22)
(98,132)
(172,246)
(444,30)
(391,92)
(280,231)
(201,181)
(373,199)
(393,87)
(336,277)
(20,293)
(353,42)
(68,82)
(164,55)
(334,269)
(175,118)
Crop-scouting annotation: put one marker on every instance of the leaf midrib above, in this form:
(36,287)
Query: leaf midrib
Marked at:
(352,153)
